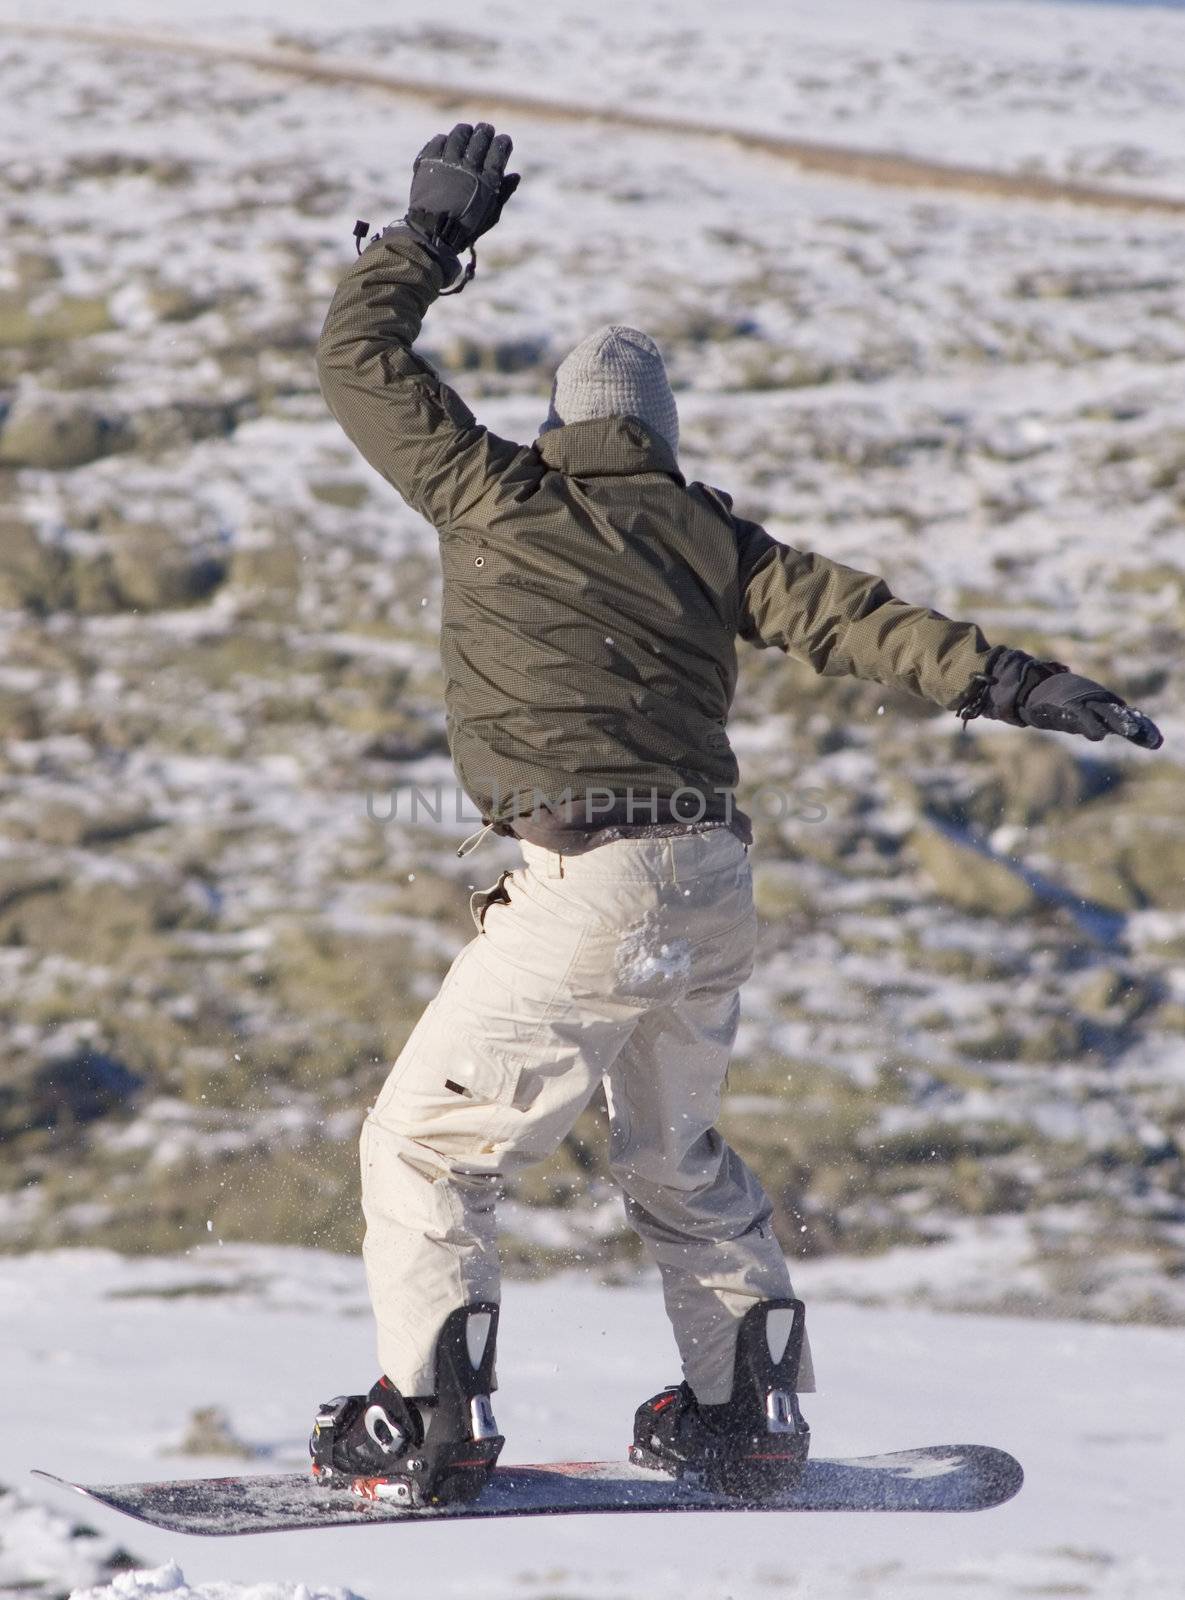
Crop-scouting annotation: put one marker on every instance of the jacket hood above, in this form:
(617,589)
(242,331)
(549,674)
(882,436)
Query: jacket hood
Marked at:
(607,447)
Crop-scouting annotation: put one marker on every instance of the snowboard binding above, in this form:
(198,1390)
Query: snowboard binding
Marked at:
(754,1446)
(422,1451)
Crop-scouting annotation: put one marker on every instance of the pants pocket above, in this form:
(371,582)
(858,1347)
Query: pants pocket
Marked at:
(458,1093)
(481,1074)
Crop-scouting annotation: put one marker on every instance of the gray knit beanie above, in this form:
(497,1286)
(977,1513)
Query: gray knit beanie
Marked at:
(615,372)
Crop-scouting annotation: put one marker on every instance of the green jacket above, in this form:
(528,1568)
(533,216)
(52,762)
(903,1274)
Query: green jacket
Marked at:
(593,598)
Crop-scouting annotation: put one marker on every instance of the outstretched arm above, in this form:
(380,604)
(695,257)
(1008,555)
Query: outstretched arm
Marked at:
(391,403)
(842,621)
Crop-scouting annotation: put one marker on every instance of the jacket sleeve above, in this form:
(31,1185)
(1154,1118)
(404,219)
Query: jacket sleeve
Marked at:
(390,402)
(844,622)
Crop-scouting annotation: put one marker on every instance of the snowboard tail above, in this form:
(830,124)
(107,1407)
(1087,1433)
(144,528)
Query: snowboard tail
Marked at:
(937,1478)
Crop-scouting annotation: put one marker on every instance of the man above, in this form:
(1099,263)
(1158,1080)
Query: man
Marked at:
(592,601)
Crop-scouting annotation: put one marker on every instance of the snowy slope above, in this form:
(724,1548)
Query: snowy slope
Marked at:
(107,1359)
(1085,92)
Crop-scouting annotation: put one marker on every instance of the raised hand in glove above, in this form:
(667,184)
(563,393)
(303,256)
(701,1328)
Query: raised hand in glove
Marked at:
(459,186)
(1028,693)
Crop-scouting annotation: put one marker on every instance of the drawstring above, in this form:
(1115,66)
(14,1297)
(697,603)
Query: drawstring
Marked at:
(467,276)
(977,699)
(468,846)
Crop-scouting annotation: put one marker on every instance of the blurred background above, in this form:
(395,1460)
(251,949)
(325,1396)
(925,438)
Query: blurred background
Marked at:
(962,1066)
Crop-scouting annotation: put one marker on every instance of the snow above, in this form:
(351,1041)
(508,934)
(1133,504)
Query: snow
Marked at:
(1087,92)
(644,958)
(38,1540)
(132,1347)
(170,1580)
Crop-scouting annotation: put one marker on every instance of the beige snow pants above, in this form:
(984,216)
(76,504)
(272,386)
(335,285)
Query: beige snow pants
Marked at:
(619,966)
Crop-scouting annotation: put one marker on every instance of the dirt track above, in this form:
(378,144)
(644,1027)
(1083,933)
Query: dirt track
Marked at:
(839,161)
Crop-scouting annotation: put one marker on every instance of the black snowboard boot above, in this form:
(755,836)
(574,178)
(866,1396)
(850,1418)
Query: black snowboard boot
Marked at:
(754,1446)
(418,1451)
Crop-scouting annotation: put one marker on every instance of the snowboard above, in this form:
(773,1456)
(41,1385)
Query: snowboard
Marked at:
(956,1477)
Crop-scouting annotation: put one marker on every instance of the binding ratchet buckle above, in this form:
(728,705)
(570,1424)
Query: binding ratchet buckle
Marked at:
(460,1442)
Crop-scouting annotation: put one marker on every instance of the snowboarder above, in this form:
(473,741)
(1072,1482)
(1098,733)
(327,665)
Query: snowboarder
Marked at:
(591,605)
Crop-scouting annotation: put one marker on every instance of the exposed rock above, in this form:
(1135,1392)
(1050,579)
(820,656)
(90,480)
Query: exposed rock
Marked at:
(1158,577)
(465,354)
(211,1433)
(1100,876)
(1172,1016)
(144,567)
(1085,283)
(94,590)
(21,715)
(1154,862)
(322,197)
(1054,1038)
(700,323)
(104,921)
(34,268)
(1034,778)
(1108,994)
(403,736)
(171,302)
(61,320)
(32,572)
(998,1044)
(166,170)
(272,572)
(70,825)
(64,1091)
(348,493)
(20,881)
(1130,852)
(968,877)
(767,367)
(172,427)
(154,569)
(57,434)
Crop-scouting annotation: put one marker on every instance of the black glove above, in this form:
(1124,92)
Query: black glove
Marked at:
(1067,703)
(459,186)
(1028,693)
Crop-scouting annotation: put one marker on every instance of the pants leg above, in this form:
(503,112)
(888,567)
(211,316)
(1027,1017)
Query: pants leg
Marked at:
(696,1205)
(492,1078)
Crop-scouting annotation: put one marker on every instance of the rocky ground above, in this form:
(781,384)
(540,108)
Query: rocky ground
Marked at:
(219,671)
